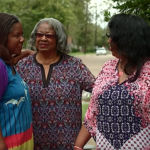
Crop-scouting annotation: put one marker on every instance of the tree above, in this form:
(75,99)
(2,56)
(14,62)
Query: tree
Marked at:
(74,15)
(137,7)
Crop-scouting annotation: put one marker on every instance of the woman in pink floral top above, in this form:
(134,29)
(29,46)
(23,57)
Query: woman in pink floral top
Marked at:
(118,117)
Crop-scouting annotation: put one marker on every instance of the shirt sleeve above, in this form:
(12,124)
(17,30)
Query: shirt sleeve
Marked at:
(90,120)
(146,107)
(3,78)
(87,78)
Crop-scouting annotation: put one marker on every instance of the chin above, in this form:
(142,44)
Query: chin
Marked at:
(113,53)
(18,53)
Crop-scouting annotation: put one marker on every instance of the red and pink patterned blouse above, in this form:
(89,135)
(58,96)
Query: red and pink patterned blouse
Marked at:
(118,116)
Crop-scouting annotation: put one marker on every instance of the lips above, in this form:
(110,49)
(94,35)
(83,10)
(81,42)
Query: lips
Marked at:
(43,45)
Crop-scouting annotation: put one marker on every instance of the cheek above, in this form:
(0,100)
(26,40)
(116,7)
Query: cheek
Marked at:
(36,44)
(108,41)
(11,46)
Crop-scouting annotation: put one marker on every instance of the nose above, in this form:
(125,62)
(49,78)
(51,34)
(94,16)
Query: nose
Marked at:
(22,39)
(43,37)
(109,40)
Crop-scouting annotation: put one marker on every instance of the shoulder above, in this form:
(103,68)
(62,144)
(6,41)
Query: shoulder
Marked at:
(145,72)
(112,63)
(24,63)
(146,66)
(2,62)
(3,77)
(72,58)
(2,66)
(25,60)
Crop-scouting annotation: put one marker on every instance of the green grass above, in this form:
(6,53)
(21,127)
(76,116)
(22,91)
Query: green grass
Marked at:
(84,108)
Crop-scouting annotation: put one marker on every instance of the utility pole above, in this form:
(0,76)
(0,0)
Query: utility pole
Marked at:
(86,23)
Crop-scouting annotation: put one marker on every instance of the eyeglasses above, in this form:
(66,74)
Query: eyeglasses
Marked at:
(47,35)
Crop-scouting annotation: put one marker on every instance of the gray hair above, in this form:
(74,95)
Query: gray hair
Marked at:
(61,36)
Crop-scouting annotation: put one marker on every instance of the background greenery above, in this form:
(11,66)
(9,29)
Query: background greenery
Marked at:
(75,15)
(137,7)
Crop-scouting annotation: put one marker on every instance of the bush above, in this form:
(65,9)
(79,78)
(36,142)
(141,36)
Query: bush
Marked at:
(74,50)
(90,50)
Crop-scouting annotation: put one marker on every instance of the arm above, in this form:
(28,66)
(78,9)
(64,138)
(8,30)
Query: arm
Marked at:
(2,143)
(146,107)
(87,78)
(3,86)
(24,53)
(82,138)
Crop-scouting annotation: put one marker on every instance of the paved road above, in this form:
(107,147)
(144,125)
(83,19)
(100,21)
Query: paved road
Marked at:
(95,63)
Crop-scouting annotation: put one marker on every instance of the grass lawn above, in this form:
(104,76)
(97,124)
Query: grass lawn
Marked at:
(84,108)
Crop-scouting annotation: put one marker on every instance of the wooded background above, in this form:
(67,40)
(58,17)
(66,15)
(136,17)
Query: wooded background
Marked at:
(75,15)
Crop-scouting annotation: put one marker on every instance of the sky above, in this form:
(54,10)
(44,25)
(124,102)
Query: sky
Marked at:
(102,5)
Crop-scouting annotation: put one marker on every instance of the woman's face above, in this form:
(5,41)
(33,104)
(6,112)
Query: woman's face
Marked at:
(15,39)
(45,38)
(113,48)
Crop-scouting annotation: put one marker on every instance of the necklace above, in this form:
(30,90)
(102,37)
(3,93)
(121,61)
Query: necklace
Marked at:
(121,72)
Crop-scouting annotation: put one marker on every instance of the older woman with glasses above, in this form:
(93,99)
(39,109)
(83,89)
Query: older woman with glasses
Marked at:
(56,81)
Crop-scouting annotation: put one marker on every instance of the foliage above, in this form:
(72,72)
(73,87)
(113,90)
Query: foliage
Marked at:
(74,15)
(137,7)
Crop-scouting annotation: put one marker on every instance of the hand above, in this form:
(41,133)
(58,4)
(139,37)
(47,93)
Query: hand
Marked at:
(30,52)
(24,53)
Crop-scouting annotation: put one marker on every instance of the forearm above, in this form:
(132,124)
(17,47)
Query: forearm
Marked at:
(82,138)
(24,53)
(2,142)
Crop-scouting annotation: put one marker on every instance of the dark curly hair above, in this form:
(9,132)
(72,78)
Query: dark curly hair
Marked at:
(131,34)
(6,23)
(61,39)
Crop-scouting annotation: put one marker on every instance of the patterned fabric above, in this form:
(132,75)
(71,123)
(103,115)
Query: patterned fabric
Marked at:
(118,116)
(56,101)
(15,111)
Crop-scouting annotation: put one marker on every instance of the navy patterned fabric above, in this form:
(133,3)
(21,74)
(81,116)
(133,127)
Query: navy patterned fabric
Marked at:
(57,100)
(116,119)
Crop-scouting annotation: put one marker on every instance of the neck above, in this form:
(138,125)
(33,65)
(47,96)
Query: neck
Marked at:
(121,67)
(122,63)
(45,58)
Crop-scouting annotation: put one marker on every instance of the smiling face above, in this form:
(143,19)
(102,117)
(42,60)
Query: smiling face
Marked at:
(15,39)
(45,42)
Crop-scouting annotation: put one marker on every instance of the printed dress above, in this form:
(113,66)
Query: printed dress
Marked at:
(15,110)
(56,101)
(118,116)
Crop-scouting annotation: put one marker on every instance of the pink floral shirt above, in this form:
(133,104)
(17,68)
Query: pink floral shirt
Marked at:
(118,116)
